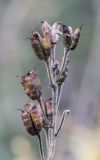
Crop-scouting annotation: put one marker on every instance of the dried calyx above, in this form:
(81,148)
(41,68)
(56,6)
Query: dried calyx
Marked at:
(70,37)
(32,119)
(49,110)
(32,85)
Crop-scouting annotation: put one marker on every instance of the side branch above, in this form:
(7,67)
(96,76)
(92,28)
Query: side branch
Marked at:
(50,75)
(65,58)
(62,122)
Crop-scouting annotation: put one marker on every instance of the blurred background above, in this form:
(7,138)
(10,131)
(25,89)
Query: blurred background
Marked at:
(80,136)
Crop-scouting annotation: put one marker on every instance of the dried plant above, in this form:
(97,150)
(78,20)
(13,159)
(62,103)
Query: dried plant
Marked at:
(44,114)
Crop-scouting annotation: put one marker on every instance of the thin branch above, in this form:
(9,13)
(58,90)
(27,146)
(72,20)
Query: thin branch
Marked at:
(64,68)
(64,60)
(51,131)
(59,89)
(41,147)
(43,111)
(53,54)
(62,122)
(50,75)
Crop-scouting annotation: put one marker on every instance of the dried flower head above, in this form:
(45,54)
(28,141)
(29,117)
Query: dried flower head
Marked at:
(46,47)
(37,117)
(46,28)
(49,109)
(56,33)
(36,44)
(70,37)
(42,45)
(32,85)
(32,119)
(67,36)
(53,31)
(75,38)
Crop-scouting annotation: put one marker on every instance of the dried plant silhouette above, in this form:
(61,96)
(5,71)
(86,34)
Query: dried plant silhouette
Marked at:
(44,114)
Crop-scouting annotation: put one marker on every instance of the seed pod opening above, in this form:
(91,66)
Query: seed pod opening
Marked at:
(32,85)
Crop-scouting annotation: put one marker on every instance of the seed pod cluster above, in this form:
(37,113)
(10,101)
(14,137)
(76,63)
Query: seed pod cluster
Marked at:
(32,85)
(32,119)
(42,46)
(70,37)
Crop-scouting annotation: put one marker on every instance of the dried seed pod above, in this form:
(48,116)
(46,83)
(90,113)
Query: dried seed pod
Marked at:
(46,28)
(67,35)
(27,119)
(75,38)
(32,119)
(46,41)
(36,44)
(46,47)
(32,85)
(56,33)
(53,32)
(37,117)
(49,109)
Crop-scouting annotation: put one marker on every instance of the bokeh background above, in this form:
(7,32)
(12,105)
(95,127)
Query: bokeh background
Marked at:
(80,136)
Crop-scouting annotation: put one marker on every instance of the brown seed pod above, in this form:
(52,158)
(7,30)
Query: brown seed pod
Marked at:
(37,117)
(32,119)
(49,109)
(46,47)
(75,38)
(27,119)
(32,85)
(36,44)
(67,35)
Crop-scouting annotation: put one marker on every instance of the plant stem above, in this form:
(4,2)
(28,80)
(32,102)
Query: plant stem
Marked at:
(50,75)
(51,133)
(65,58)
(43,111)
(62,121)
(53,54)
(41,147)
